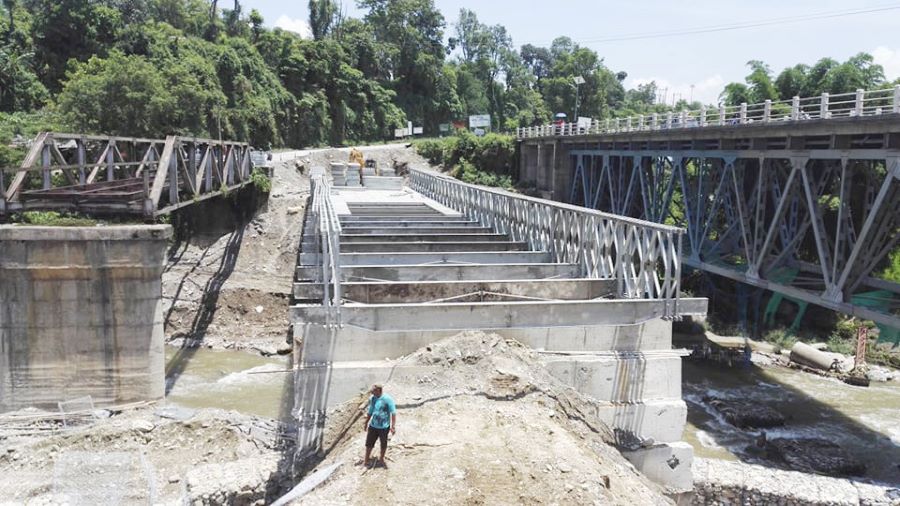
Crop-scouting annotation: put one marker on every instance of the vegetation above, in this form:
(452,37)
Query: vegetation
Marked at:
(825,76)
(488,160)
(53,219)
(197,67)
(261,181)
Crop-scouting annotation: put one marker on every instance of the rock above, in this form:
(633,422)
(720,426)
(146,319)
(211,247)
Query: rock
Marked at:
(745,414)
(814,455)
(295,210)
(174,479)
(143,425)
(258,309)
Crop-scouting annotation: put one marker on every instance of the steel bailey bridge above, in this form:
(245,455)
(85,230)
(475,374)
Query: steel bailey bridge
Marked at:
(385,272)
(800,197)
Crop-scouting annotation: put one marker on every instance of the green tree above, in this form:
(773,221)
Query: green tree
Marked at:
(411,33)
(70,29)
(792,81)
(735,94)
(759,82)
(322,15)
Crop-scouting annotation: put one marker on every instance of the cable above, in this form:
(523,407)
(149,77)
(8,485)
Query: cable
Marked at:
(738,26)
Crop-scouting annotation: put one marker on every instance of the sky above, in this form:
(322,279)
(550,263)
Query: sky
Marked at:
(707,61)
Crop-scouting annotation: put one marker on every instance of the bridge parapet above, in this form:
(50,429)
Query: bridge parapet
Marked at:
(104,174)
(643,257)
(860,103)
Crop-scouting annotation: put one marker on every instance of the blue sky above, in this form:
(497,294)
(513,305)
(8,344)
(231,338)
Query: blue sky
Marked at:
(708,60)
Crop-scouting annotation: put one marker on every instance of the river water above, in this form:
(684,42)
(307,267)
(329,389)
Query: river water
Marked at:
(231,380)
(865,421)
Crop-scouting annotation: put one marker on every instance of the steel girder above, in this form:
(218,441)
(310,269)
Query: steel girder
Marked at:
(812,225)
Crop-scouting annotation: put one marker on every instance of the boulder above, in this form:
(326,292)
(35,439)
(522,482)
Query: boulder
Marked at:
(813,455)
(744,414)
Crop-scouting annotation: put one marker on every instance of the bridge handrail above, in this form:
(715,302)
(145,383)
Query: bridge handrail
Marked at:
(644,257)
(328,238)
(854,104)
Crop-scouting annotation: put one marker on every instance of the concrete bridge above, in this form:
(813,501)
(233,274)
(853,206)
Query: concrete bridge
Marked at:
(383,272)
(801,197)
(122,175)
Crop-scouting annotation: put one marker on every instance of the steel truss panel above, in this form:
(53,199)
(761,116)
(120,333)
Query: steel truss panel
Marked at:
(760,215)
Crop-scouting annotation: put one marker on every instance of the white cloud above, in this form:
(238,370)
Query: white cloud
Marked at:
(298,26)
(706,90)
(889,59)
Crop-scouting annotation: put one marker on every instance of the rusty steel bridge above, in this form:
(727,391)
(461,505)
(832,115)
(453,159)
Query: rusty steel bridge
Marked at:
(122,175)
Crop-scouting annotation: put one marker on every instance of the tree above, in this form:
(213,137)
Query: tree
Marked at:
(735,94)
(70,29)
(537,59)
(322,15)
(760,82)
(10,6)
(791,81)
(411,33)
(256,24)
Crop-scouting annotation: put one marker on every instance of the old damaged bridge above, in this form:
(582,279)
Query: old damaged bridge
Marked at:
(385,270)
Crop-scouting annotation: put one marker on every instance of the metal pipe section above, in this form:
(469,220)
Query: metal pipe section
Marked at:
(328,239)
(642,256)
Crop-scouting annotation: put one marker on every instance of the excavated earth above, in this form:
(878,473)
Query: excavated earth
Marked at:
(488,425)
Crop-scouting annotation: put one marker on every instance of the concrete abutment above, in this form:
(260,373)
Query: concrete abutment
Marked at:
(81,314)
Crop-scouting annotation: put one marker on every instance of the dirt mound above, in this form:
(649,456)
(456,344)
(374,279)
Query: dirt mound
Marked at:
(488,425)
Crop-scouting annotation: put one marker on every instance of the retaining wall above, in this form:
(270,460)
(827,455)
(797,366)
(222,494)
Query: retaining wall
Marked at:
(81,314)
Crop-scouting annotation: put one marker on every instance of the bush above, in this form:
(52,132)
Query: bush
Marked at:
(54,219)
(781,338)
(261,181)
(488,160)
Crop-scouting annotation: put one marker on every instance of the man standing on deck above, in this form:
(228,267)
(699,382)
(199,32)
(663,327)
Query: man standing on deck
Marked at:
(381,418)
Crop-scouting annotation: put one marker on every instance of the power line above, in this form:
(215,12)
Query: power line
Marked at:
(738,26)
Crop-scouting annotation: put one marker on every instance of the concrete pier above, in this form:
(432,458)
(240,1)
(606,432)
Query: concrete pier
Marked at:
(81,314)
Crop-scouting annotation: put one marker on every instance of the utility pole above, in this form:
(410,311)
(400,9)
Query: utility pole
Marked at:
(578,82)
(692,93)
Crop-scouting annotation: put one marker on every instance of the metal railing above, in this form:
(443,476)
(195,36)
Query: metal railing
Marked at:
(844,105)
(328,246)
(643,257)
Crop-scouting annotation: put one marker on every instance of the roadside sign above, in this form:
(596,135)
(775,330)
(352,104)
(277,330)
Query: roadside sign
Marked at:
(417,130)
(399,133)
(479,132)
(584,123)
(480,120)
(444,127)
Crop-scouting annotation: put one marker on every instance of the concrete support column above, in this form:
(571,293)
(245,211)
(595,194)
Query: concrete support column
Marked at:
(81,314)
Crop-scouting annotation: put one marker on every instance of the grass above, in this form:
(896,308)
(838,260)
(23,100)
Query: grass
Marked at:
(53,219)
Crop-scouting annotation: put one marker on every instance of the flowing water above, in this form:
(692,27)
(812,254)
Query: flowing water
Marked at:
(232,380)
(864,421)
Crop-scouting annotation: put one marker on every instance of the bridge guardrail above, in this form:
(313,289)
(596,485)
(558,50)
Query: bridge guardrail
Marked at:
(328,239)
(844,105)
(643,257)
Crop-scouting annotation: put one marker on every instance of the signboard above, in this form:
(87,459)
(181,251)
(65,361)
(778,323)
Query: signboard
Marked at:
(399,133)
(479,132)
(584,123)
(480,120)
(444,127)
(417,130)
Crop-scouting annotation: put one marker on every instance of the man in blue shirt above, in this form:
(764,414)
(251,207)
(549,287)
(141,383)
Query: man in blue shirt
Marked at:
(381,418)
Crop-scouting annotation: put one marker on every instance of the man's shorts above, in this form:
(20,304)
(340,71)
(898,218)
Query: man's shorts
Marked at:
(374,434)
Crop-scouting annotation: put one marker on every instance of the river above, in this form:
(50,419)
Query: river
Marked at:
(864,421)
